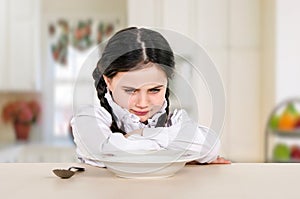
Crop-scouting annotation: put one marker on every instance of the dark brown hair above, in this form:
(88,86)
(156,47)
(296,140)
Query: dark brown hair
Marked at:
(130,49)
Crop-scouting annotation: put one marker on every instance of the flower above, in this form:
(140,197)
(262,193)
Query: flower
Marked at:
(21,111)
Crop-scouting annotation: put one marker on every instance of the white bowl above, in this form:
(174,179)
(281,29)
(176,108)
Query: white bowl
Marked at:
(150,164)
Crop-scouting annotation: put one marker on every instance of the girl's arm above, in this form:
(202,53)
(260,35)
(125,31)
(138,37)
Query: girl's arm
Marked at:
(184,134)
(92,134)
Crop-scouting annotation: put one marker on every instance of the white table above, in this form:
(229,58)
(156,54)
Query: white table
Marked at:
(242,181)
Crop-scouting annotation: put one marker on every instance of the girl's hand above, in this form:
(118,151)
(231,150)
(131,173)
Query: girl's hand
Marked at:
(220,160)
(137,131)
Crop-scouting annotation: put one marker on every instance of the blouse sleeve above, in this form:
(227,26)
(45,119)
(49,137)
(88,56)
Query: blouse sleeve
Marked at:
(92,134)
(185,134)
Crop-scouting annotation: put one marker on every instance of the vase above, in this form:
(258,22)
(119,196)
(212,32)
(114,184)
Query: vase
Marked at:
(22,130)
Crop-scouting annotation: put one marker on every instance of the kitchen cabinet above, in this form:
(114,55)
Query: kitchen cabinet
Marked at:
(19,63)
(22,152)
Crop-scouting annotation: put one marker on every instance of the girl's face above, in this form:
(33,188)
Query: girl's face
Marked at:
(141,92)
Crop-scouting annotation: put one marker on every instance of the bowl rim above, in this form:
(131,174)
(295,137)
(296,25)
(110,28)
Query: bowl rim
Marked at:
(109,157)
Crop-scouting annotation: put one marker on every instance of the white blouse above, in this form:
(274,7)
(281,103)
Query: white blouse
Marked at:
(92,134)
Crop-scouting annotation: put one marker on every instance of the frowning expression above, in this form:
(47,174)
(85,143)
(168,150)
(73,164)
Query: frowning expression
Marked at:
(142,91)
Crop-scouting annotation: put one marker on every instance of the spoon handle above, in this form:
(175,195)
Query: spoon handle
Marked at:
(77,168)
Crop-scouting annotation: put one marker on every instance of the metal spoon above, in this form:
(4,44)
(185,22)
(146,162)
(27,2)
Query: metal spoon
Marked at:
(67,173)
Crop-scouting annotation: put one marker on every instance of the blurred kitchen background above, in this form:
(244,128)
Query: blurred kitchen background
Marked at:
(255,45)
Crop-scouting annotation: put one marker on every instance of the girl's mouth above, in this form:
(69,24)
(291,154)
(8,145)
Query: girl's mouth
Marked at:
(140,113)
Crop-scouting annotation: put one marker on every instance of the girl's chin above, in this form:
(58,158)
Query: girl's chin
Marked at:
(143,119)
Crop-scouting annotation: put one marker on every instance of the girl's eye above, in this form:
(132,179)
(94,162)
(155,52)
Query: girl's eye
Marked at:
(154,90)
(129,91)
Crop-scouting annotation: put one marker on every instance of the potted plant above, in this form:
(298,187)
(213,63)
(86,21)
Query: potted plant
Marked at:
(22,114)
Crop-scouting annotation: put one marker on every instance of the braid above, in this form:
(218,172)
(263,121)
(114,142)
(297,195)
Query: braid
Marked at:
(130,49)
(101,90)
(168,101)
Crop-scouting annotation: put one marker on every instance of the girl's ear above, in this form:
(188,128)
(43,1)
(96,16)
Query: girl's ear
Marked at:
(107,81)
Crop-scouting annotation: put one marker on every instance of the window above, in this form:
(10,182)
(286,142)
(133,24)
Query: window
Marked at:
(70,41)
(64,79)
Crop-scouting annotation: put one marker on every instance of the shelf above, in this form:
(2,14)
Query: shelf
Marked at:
(286,133)
(287,161)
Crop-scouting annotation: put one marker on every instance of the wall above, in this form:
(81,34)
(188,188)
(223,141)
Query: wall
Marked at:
(86,7)
(268,62)
(287,49)
(230,32)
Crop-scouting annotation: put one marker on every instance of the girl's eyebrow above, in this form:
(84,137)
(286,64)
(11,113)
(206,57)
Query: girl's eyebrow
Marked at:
(159,86)
(127,87)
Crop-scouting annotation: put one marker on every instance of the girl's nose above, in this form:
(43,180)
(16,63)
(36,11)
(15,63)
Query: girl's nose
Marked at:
(142,101)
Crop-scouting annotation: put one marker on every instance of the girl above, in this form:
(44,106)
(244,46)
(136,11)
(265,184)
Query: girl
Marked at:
(131,79)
